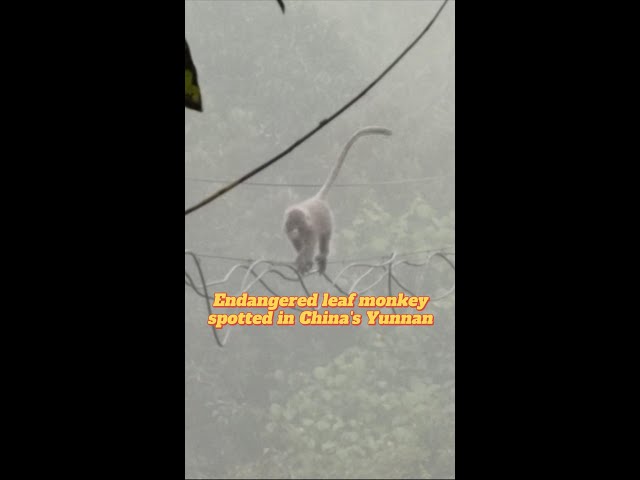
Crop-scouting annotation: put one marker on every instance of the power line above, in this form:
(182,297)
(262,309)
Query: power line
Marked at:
(443,250)
(343,185)
(320,126)
(386,265)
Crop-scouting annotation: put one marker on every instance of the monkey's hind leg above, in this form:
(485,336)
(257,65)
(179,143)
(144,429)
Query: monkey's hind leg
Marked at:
(304,260)
(321,258)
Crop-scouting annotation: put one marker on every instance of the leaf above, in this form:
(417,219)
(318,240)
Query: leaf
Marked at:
(281,3)
(192,98)
(319,373)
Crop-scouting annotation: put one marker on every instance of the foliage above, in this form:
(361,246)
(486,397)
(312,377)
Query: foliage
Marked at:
(418,226)
(192,98)
(369,413)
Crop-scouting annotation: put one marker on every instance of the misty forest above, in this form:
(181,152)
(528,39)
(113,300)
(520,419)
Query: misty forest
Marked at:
(320,401)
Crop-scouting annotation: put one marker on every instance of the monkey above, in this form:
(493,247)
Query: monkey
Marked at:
(310,222)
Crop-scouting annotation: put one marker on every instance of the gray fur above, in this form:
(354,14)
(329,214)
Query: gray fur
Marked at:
(310,223)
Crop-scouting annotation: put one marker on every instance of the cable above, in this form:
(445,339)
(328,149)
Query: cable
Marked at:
(315,185)
(387,265)
(344,260)
(320,126)
(204,289)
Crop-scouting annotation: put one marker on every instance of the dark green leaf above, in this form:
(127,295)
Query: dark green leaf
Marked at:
(192,98)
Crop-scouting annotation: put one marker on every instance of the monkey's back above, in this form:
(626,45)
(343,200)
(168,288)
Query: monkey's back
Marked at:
(320,213)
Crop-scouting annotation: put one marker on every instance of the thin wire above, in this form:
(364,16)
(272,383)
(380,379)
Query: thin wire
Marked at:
(320,126)
(244,287)
(389,277)
(204,289)
(344,260)
(388,264)
(426,262)
(316,185)
(190,283)
(223,257)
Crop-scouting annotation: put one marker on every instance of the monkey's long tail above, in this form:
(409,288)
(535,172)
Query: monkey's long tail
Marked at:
(336,168)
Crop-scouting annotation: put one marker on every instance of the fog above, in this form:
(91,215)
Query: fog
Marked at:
(321,401)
